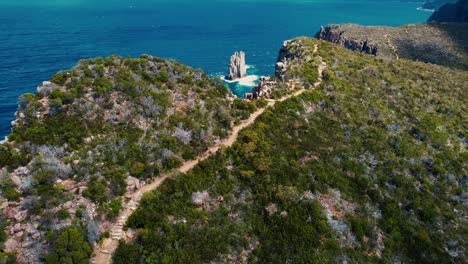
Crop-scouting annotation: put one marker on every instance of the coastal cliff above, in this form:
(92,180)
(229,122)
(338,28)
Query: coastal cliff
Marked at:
(444,44)
(334,35)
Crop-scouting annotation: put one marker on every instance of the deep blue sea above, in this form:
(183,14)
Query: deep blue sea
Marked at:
(40,38)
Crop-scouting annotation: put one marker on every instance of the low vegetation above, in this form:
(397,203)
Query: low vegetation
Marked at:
(86,132)
(370,167)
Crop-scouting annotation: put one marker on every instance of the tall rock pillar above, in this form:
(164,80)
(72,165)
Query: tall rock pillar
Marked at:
(237,67)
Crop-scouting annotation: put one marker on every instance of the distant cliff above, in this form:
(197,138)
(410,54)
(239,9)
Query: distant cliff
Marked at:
(443,44)
(330,34)
(451,12)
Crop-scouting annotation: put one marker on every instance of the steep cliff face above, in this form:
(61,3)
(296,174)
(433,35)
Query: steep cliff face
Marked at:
(451,12)
(444,44)
(293,61)
(333,34)
(237,67)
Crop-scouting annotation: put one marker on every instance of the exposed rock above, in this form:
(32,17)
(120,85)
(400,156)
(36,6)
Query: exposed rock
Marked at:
(307,195)
(331,34)
(10,211)
(271,209)
(46,88)
(21,216)
(288,55)
(132,184)
(20,177)
(11,245)
(437,43)
(67,205)
(237,67)
(68,185)
(264,88)
(17,227)
(282,61)
(201,198)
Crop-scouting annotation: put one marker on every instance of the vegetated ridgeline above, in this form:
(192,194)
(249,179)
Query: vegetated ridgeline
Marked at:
(103,253)
(367,168)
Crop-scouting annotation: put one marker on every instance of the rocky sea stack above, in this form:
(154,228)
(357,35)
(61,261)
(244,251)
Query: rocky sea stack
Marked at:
(237,68)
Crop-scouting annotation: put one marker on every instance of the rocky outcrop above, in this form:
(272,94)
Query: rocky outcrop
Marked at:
(451,12)
(237,67)
(289,57)
(438,43)
(333,34)
(285,56)
(264,88)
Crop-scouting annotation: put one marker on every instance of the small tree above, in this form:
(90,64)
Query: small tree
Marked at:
(70,247)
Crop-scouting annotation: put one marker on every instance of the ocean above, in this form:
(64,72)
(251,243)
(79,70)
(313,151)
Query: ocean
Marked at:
(40,38)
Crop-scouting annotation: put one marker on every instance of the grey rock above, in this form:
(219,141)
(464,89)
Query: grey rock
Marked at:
(237,67)
(330,34)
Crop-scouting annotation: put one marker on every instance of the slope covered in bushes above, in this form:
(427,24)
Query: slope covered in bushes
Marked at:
(370,166)
(94,134)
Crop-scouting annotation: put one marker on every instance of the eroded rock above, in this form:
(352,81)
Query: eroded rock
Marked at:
(237,67)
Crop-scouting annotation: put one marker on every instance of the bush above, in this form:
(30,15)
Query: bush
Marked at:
(8,190)
(114,208)
(97,190)
(59,78)
(70,246)
(63,214)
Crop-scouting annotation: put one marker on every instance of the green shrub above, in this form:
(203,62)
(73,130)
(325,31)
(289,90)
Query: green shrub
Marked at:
(114,208)
(63,214)
(70,246)
(59,78)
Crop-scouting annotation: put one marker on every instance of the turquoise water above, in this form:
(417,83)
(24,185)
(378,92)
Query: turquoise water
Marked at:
(39,38)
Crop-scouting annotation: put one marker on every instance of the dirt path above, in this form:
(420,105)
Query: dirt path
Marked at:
(103,253)
(394,49)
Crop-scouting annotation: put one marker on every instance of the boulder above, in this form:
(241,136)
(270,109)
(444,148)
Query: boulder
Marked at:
(271,209)
(10,211)
(201,198)
(132,183)
(21,216)
(11,245)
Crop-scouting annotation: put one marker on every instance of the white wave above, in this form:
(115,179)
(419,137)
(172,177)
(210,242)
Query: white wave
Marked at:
(425,9)
(246,81)
(249,66)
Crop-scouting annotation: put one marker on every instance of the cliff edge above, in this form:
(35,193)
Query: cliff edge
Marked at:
(437,43)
